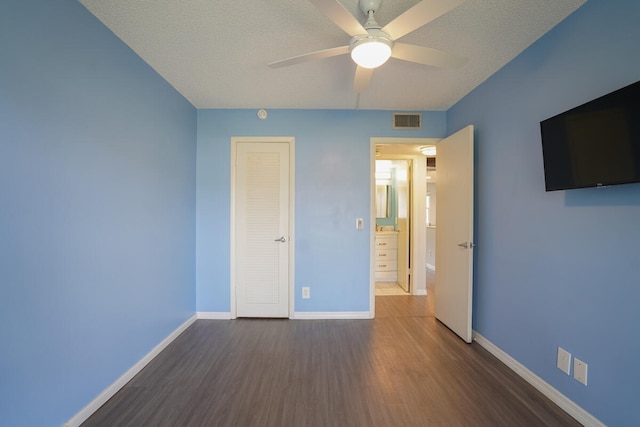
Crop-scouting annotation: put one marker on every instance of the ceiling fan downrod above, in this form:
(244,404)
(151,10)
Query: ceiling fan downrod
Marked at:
(371,23)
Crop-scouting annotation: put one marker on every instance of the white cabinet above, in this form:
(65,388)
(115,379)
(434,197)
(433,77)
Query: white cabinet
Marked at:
(387,257)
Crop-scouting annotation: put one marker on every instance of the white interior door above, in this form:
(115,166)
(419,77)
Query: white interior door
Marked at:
(403,253)
(454,233)
(403,176)
(262,229)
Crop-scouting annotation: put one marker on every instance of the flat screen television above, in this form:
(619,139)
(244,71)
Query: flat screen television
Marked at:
(595,144)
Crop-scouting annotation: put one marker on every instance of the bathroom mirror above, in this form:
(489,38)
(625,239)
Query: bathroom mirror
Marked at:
(383,201)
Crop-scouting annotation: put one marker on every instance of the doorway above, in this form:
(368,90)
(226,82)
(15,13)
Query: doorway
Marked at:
(262,227)
(406,149)
(393,225)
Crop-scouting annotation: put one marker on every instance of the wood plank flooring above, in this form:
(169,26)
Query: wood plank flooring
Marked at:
(403,368)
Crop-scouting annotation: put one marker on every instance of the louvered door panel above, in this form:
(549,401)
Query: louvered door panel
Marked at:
(262,197)
(262,202)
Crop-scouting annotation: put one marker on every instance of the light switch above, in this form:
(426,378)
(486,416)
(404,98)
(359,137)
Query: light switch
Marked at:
(359,224)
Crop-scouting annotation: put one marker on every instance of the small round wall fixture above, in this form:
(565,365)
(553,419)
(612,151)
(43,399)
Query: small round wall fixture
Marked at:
(262,114)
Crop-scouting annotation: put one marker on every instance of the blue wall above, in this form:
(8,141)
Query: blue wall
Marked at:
(559,268)
(97,210)
(332,186)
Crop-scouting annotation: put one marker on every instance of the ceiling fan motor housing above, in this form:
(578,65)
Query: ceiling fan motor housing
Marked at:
(372,35)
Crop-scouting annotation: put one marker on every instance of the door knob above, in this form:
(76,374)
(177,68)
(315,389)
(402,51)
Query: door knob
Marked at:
(464,245)
(281,239)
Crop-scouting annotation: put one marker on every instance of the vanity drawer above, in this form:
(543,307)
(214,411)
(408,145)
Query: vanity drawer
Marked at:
(386,254)
(390,265)
(390,242)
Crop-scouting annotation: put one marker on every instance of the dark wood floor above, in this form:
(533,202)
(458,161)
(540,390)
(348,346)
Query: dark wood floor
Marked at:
(403,368)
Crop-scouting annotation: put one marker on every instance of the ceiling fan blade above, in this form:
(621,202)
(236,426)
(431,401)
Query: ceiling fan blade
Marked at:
(419,15)
(335,11)
(427,56)
(313,56)
(362,79)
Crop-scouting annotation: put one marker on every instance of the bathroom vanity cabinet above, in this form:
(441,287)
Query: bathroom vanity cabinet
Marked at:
(387,256)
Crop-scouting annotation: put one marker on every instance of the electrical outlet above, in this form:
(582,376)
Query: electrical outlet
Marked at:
(580,370)
(564,361)
(306,292)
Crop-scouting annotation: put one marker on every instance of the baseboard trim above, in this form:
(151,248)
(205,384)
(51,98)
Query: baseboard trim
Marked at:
(214,315)
(320,315)
(431,267)
(107,393)
(569,406)
(420,292)
(303,315)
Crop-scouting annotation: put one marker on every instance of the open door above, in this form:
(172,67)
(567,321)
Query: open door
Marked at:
(403,253)
(403,191)
(454,233)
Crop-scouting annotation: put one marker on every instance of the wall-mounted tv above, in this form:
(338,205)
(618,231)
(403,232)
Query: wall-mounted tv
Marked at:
(594,145)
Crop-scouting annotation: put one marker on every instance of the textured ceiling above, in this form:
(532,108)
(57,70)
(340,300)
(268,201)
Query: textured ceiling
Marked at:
(215,52)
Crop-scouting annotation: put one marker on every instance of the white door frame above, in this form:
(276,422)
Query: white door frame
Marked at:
(232,247)
(418,250)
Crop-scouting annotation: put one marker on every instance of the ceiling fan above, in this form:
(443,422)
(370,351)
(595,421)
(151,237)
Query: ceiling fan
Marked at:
(371,45)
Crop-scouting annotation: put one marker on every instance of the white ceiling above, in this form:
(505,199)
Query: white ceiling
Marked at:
(215,52)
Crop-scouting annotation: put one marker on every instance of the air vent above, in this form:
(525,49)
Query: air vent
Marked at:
(431,163)
(407,120)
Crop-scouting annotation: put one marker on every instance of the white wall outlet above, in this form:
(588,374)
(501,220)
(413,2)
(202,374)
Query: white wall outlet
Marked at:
(580,370)
(306,292)
(359,224)
(564,361)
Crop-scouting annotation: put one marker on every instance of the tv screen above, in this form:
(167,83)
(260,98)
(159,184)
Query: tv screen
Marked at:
(594,145)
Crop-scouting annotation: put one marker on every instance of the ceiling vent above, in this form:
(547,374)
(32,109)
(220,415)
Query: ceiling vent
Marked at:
(407,120)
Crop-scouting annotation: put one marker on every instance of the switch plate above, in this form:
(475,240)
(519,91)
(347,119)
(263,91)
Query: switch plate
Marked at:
(306,292)
(359,224)
(564,361)
(580,370)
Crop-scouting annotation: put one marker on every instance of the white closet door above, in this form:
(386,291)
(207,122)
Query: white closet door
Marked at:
(262,229)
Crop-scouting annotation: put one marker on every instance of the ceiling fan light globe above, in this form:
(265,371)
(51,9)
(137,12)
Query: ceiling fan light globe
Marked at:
(370,52)
(429,150)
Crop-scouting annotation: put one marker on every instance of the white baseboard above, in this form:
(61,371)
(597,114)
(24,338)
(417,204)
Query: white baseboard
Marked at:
(569,406)
(431,267)
(214,315)
(107,393)
(317,315)
(304,315)
(420,292)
